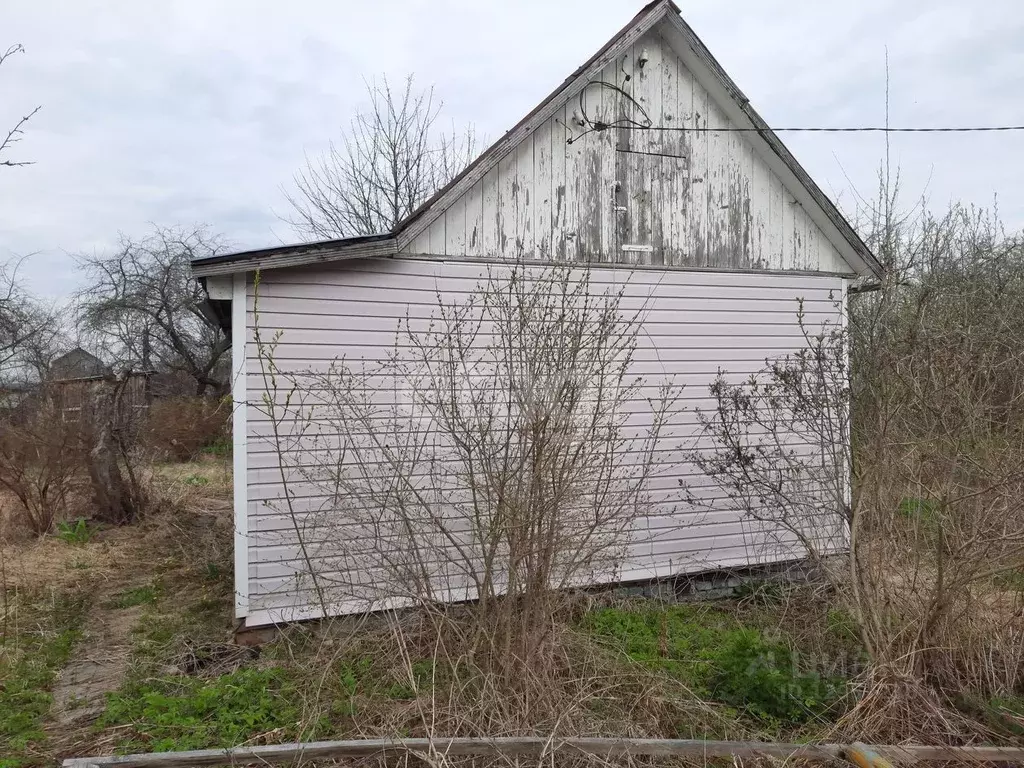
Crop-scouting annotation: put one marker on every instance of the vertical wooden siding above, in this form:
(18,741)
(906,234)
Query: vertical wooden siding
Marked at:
(698,323)
(628,195)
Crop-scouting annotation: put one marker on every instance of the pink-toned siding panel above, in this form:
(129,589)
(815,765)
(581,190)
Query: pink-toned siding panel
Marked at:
(697,323)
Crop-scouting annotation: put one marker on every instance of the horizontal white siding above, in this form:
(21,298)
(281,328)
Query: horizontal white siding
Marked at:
(694,198)
(698,323)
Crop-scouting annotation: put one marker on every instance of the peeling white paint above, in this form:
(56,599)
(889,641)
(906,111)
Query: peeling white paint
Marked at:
(692,199)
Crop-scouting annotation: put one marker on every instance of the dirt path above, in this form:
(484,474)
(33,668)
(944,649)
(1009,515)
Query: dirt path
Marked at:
(98,666)
(177,547)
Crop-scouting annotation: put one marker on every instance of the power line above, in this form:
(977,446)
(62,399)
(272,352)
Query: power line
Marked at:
(838,129)
(596,126)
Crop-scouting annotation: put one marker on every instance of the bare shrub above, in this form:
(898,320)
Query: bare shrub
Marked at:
(935,515)
(180,427)
(40,460)
(779,447)
(60,441)
(500,454)
(435,686)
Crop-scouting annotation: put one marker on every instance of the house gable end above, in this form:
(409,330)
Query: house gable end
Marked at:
(652,158)
(648,154)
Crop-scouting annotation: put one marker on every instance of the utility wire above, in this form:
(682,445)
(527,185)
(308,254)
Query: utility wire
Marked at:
(596,126)
(841,129)
(590,125)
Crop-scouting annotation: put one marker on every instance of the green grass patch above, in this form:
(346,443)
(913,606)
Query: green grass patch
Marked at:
(186,606)
(923,511)
(1004,715)
(354,681)
(1012,580)
(175,713)
(129,598)
(365,677)
(169,619)
(213,571)
(843,628)
(1009,713)
(35,643)
(74,532)
(221,447)
(721,660)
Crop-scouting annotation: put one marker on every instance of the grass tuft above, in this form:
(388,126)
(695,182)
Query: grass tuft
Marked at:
(722,660)
(177,713)
(129,598)
(34,644)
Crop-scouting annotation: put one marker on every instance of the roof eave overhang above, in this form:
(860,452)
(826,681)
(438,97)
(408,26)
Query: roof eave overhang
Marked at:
(296,255)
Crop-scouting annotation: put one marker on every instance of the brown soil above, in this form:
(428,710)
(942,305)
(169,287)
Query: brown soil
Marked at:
(98,666)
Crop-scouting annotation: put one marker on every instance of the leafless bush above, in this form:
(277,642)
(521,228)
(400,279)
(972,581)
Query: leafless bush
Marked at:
(40,458)
(934,443)
(779,447)
(180,427)
(439,689)
(110,433)
(499,454)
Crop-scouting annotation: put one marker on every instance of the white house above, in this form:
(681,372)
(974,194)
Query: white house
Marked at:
(647,162)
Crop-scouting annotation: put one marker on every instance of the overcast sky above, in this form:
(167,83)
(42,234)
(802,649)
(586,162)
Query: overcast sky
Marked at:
(200,110)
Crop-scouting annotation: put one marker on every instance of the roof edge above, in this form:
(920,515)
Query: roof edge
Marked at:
(857,251)
(645,19)
(834,224)
(363,246)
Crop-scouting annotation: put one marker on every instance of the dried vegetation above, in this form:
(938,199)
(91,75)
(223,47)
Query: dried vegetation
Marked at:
(915,633)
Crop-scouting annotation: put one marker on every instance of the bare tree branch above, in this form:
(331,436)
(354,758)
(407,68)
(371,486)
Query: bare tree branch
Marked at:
(491,456)
(29,333)
(390,161)
(14,135)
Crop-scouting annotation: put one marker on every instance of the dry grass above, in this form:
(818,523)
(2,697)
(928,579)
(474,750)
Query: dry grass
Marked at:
(195,484)
(180,427)
(895,708)
(111,552)
(419,673)
(173,549)
(412,675)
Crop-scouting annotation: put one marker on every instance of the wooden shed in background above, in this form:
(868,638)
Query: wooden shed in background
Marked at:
(72,379)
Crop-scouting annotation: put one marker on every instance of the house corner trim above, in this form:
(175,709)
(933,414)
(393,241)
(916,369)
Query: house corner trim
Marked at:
(239,400)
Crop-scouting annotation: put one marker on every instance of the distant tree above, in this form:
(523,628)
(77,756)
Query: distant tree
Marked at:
(389,161)
(145,308)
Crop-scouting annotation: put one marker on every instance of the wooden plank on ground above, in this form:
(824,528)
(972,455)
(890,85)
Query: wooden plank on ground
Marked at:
(607,748)
(509,746)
